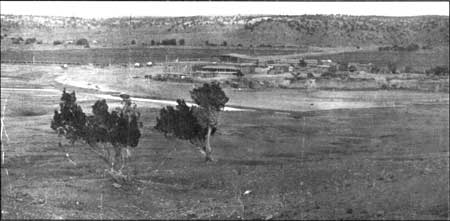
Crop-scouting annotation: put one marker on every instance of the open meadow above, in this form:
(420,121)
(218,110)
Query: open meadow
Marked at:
(325,154)
(125,55)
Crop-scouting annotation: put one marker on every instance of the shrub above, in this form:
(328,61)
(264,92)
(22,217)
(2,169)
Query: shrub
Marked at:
(15,41)
(327,75)
(438,70)
(375,69)
(169,42)
(392,67)
(133,42)
(181,42)
(412,47)
(57,42)
(332,69)
(302,63)
(343,67)
(30,41)
(408,69)
(427,47)
(82,42)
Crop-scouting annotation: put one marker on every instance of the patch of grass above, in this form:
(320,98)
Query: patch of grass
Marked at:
(28,111)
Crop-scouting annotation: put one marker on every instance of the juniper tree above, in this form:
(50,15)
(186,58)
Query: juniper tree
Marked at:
(197,123)
(120,128)
(70,120)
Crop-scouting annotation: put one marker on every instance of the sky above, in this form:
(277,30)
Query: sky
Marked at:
(103,9)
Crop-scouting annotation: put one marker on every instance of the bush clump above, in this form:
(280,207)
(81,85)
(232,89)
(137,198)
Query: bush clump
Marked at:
(438,70)
(82,42)
(57,42)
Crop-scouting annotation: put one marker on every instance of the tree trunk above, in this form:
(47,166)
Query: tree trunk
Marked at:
(208,149)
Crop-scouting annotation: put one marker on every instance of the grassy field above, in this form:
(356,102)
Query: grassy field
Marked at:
(419,60)
(388,161)
(124,55)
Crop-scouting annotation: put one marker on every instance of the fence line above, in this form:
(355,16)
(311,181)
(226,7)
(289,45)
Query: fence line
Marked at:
(54,62)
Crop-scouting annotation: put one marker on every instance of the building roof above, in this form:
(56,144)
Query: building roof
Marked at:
(220,67)
(280,65)
(246,64)
(242,56)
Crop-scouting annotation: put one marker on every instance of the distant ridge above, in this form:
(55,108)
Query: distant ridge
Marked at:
(262,30)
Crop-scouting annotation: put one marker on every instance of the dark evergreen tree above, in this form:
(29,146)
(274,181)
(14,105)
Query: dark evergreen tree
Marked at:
(197,123)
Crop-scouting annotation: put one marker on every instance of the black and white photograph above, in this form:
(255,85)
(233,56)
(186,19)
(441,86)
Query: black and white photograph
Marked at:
(224,110)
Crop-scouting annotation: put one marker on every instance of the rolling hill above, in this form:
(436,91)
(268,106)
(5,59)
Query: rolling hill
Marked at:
(237,31)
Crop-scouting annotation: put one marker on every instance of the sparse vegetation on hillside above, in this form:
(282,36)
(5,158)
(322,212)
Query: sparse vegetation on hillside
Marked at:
(317,30)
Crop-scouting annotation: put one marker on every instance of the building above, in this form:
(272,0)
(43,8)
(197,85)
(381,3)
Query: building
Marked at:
(246,68)
(361,67)
(326,62)
(323,66)
(221,69)
(279,68)
(311,62)
(293,62)
(237,58)
(214,70)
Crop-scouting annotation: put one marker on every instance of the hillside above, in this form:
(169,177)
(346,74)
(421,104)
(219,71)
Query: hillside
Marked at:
(245,31)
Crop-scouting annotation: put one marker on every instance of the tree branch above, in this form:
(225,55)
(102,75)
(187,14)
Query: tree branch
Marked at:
(100,155)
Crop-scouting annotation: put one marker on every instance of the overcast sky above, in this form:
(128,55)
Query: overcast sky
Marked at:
(117,9)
